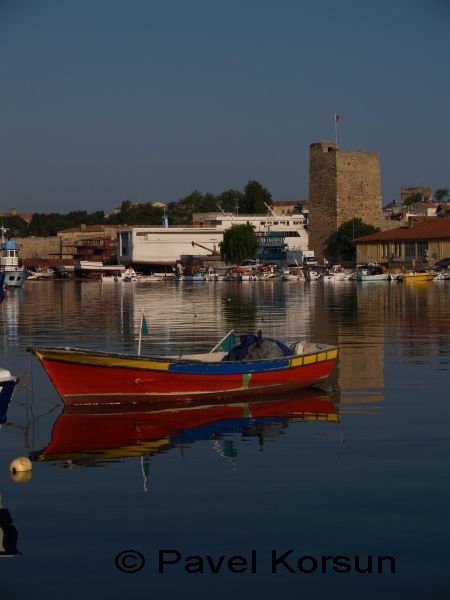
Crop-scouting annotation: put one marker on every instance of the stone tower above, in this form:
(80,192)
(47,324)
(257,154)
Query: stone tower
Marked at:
(342,186)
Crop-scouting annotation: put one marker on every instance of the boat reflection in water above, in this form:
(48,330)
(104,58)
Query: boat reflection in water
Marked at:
(8,534)
(92,433)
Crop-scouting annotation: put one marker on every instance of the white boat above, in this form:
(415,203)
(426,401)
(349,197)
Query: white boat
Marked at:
(96,269)
(157,277)
(312,275)
(336,273)
(9,262)
(294,274)
(372,273)
(129,275)
(7,384)
(442,275)
(111,278)
(43,275)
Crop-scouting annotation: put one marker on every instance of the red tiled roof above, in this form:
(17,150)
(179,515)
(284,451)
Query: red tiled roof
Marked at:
(425,228)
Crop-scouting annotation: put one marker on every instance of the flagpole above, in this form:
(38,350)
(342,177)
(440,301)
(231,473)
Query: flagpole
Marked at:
(222,340)
(140,332)
(335,128)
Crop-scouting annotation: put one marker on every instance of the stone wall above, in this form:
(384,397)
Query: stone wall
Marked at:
(342,186)
(322,195)
(39,247)
(358,187)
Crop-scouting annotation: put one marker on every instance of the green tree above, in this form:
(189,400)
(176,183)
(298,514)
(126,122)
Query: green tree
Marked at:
(16,226)
(341,245)
(43,224)
(441,195)
(239,243)
(230,201)
(413,199)
(49,224)
(180,213)
(255,198)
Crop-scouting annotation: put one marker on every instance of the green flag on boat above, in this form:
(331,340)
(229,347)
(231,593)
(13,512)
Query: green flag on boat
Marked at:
(228,343)
(144,328)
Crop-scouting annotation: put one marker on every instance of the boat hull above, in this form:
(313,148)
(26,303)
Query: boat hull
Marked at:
(82,378)
(417,277)
(15,278)
(381,277)
(7,384)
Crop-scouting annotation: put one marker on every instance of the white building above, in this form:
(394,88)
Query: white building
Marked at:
(165,245)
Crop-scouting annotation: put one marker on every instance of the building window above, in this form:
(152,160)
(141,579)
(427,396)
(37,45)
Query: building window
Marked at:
(422,250)
(410,250)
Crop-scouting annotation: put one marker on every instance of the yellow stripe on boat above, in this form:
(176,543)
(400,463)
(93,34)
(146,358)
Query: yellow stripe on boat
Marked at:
(331,354)
(321,356)
(309,359)
(297,362)
(105,361)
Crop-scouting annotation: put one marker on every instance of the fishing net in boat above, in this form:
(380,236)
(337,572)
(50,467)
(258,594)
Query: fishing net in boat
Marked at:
(255,347)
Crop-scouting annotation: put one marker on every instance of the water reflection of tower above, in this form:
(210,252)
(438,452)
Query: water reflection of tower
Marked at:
(361,365)
(353,317)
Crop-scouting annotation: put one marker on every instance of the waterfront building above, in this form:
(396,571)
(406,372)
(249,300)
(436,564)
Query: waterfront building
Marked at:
(89,242)
(424,239)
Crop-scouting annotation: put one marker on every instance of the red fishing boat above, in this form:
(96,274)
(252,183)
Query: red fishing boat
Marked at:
(83,376)
(106,432)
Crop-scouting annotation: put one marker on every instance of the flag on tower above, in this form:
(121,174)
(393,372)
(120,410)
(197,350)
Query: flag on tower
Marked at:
(336,118)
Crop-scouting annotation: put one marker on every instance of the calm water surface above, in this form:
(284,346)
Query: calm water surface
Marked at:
(358,468)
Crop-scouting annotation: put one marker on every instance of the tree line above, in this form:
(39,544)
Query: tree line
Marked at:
(252,200)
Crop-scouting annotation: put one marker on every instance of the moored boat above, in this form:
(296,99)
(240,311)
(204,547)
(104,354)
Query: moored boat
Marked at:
(294,274)
(335,273)
(7,385)
(15,275)
(416,276)
(442,276)
(89,269)
(372,272)
(253,367)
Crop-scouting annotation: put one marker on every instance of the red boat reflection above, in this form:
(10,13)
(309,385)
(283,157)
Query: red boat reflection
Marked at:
(107,432)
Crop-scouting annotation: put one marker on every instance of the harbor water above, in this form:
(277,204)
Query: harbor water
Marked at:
(358,469)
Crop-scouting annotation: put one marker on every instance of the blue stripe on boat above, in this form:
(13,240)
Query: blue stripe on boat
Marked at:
(228,368)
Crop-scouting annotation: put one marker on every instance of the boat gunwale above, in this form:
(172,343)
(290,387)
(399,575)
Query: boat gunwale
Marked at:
(171,360)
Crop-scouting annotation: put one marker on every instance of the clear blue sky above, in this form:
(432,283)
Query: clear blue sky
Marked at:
(103,100)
